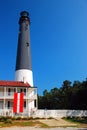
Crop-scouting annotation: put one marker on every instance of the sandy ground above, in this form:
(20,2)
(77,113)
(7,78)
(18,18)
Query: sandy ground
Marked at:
(58,122)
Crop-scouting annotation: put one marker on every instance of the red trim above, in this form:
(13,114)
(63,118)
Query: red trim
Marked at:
(14,84)
(15,103)
(21,102)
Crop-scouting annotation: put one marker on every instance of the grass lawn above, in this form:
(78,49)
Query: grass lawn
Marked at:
(18,121)
(23,123)
(80,121)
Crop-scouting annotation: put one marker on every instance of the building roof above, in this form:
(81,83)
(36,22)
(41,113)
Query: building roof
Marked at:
(14,83)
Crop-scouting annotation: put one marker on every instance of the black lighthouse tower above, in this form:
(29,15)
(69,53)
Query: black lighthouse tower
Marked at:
(23,70)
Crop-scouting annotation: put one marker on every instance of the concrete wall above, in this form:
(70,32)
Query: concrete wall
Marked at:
(59,113)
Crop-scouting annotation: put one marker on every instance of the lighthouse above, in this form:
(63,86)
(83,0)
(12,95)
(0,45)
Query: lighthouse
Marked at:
(19,97)
(23,70)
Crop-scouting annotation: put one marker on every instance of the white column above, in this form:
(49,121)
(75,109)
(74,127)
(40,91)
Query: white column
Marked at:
(16,90)
(4,99)
(36,100)
(26,100)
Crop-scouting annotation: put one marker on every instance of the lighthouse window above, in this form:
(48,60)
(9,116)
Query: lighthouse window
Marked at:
(27,44)
(26,27)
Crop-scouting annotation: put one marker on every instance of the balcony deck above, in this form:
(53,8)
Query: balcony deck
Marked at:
(10,95)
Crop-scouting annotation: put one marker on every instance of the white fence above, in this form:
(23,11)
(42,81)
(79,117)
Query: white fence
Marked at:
(59,113)
(46,113)
(7,112)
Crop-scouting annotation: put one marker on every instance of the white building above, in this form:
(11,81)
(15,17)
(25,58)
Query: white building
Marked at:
(7,90)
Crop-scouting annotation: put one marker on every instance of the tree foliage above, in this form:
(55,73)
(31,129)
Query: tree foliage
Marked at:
(68,96)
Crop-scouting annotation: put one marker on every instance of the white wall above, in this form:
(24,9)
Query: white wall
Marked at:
(59,113)
(49,113)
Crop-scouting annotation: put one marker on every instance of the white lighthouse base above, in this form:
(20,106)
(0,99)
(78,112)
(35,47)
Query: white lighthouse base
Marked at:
(25,76)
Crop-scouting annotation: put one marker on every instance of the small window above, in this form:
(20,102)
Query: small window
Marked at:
(24,91)
(24,104)
(18,90)
(9,91)
(21,90)
(35,103)
(8,104)
(14,89)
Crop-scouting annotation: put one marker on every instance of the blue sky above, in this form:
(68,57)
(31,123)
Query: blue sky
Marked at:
(58,40)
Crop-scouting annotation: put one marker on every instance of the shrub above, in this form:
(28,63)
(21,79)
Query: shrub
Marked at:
(25,118)
(8,121)
(14,118)
(50,118)
(2,118)
(30,118)
(18,118)
(36,118)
